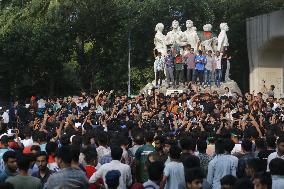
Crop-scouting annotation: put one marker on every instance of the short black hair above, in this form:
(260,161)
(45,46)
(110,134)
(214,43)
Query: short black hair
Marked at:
(191,161)
(264,178)
(51,147)
(36,148)
(103,138)
(188,143)
(116,152)
(201,146)
(228,145)
(75,153)
(5,139)
(64,153)
(247,145)
(9,154)
(276,166)
(243,183)
(175,152)
(256,164)
(280,139)
(260,143)
(155,170)
(193,174)
(228,180)
(24,162)
(112,178)
(42,153)
(271,141)
(149,136)
(90,155)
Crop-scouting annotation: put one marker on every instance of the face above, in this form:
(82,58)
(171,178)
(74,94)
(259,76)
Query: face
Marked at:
(12,164)
(189,24)
(257,184)
(41,162)
(280,147)
(166,148)
(175,24)
(195,184)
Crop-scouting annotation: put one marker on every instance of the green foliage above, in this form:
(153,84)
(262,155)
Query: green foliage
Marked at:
(60,47)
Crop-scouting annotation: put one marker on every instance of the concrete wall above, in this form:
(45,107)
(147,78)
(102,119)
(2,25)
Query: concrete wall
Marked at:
(265,43)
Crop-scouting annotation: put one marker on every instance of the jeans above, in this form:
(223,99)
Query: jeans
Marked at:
(159,76)
(179,76)
(170,75)
(207,77)
(199,76)
(218,73)
(190,74)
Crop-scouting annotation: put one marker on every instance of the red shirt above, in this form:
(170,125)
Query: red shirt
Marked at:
(90,170)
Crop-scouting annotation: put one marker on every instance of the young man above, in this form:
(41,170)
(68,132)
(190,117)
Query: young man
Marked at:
(204,158)
(179,70)
(174,170)
(141,156)
(155,172)
(210,62)
(67,177)
(112,179)
(159,65)
(189,61)
(279,153)
(262,180)
(228,182)
(3,148)
(169,63)
(125,171)
(200,62)
(10,160)
(218,71)
(43,173)
(247,155)
(23,180)
(194,178)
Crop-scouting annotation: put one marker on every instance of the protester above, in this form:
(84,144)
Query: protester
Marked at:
(10,160)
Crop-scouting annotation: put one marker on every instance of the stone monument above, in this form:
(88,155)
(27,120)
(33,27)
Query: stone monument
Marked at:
(160,39)
(208,38)
(174,37)
(190,36)
(222,37)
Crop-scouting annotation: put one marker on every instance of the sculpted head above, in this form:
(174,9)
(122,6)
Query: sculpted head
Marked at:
(159,27)
(224,26)
(207,27)
(175,24)
(189,24)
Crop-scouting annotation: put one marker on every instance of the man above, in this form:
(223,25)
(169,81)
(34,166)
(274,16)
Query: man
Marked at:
(10,160)
(189,61)
(141,157)
(174,170)
(262,180)
(4,148)
(169,63)
(218,71)
(209,68)
(43,173)
(204,158)
(200,62)
(158,68)
(188,145)
(179,69)
(194,178)
(228,182)
(155,172)
(112,179)
(23,180)
(247,155)
(67,177)
(125,179)
(279,153)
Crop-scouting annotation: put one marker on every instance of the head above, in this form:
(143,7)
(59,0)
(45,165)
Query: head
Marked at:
(41,160)
(253,166)
(200,52)
(192,161)
(189,24)
(243,183)
(63,156)
(228,181)
(35,149)
(229,145)
(194,178)
(201,146)
(10,160)
(91,156)
(116,152)
(149,137)
(207,27)
(260,144)
(271,141)
(262,180)
(175,152)
(276,167)
(51,148)
(112,179)
(280,145)
(224,26)
(155,171)
(24,163)
(188,143)
(247,145)
(159,27)
(175,24)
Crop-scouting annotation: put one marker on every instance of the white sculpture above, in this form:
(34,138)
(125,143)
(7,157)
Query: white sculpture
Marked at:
(209,40)
(222,37)
(160,39)
(190,35)
(175,35)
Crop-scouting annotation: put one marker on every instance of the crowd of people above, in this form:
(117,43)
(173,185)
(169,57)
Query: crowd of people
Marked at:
(204,67)
(190,140)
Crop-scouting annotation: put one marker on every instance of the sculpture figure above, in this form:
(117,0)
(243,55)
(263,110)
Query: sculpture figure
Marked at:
(174,38)
(222,37)
(208,39)
(190,36)
(160,39)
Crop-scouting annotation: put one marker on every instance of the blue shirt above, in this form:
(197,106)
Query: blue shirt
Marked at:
(169,61)
(200,62)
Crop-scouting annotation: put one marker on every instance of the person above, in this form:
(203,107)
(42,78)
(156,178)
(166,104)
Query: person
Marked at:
(253,166)
(210,62)
(67,177)
(43,173)
(228,182)
(112,179)
(204,158)
(222,164)
(169,65)
(279,153)
(247,155)
(276,167)
(194,178)
(179,70)
(23,179)
(4,147)
(50,149)
(218,69)
(189,61)
(10,160)
(243,183)
(188,145)
(125,171)
(174,170)
(159,65)
(102,149)
(200,62)
(155,172)
(141,157)
(262,180)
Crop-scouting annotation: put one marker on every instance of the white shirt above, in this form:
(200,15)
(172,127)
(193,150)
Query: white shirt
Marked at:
(102,151)
(5,117)
(27,142)
(271,157)
(124,180)
(175,173)
(218,62)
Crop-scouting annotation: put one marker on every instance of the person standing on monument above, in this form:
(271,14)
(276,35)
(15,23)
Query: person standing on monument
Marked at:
(208,68)
(159,67)
(200,62)
(169,65)
(188,58)
(179,69)
(218,71)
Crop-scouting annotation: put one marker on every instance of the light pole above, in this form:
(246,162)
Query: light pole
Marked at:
(129,63)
